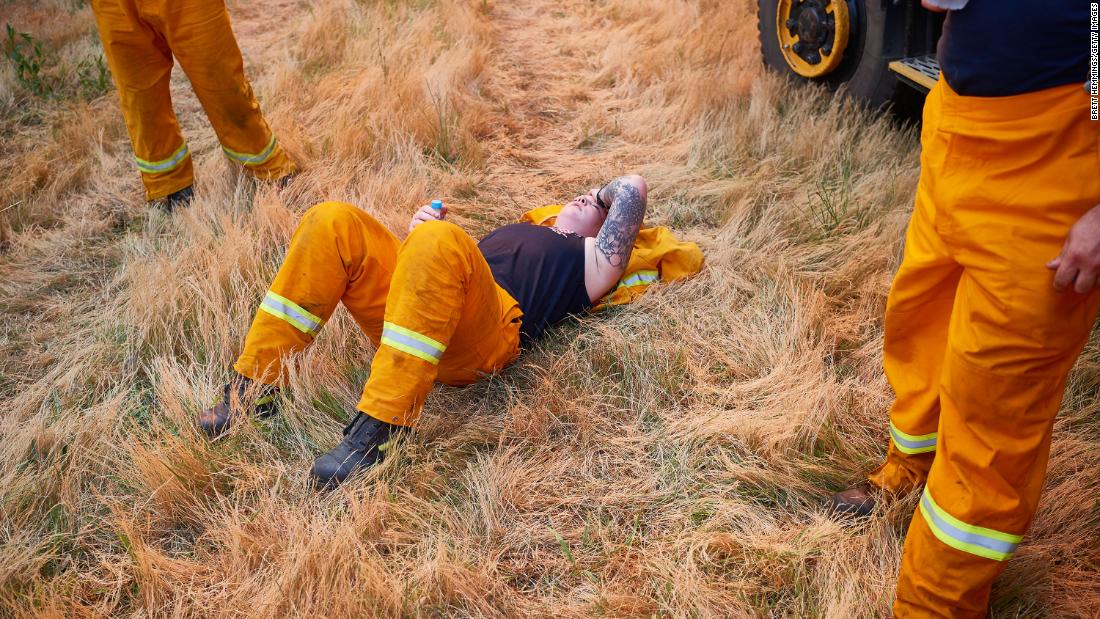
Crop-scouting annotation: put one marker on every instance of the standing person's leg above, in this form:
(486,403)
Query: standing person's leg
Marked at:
(338,253)
(1023,169)
(200,35)
(141,66)
(445,318)
(918,311)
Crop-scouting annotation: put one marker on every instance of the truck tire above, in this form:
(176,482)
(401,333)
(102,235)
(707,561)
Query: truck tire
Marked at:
(863,68)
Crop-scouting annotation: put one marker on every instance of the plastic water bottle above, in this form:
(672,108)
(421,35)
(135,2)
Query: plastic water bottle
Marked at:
(437,206)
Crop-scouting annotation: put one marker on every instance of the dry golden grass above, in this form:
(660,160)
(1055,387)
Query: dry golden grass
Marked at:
(668,458)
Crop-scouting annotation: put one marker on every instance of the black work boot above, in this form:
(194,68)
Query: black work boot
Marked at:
(239,396)
(858,501)
(366,441)
(284,181)
(176,199)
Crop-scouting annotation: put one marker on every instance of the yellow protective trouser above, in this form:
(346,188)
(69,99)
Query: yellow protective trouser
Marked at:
(430,305)
(139,39)
(978,343)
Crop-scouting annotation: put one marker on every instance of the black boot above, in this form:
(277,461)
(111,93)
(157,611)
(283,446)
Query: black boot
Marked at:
(239,396)
(176,199)
(366,441)
(858,501)
(284,182)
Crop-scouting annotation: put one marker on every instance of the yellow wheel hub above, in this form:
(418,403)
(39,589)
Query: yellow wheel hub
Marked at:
(812,34)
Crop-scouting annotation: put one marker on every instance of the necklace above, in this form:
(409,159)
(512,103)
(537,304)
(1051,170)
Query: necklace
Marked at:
(565,233)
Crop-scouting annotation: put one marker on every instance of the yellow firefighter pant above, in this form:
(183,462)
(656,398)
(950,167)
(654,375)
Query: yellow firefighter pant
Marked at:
(978,343)
(429,304)
(140,37)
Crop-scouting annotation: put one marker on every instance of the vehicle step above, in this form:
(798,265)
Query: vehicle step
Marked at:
(919,71)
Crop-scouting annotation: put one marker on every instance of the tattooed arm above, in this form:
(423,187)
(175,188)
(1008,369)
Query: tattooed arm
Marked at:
(607,255)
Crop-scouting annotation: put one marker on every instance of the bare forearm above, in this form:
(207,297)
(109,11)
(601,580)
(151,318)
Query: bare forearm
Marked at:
(627,197)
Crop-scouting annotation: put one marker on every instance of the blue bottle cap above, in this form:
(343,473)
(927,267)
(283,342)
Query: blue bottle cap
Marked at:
(437,205)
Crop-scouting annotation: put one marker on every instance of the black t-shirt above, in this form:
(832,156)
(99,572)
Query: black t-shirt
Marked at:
(997,48)
(542,269)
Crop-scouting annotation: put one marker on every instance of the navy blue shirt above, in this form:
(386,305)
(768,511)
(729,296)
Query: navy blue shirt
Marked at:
(542,269)
(996,48)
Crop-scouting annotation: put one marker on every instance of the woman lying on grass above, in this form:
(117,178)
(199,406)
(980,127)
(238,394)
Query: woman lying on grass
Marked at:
(439,306)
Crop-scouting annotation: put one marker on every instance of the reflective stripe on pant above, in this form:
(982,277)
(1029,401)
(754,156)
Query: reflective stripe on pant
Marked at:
(978,343)
(140,37)
(430,304)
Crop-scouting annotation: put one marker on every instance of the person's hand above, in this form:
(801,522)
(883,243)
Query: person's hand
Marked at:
(427,213)
(932,7)
(1078,266)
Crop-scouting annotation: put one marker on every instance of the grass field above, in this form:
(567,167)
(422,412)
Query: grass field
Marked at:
(670,458)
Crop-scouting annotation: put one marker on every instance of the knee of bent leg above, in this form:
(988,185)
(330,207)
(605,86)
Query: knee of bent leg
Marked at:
(440,234)
(327,213)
